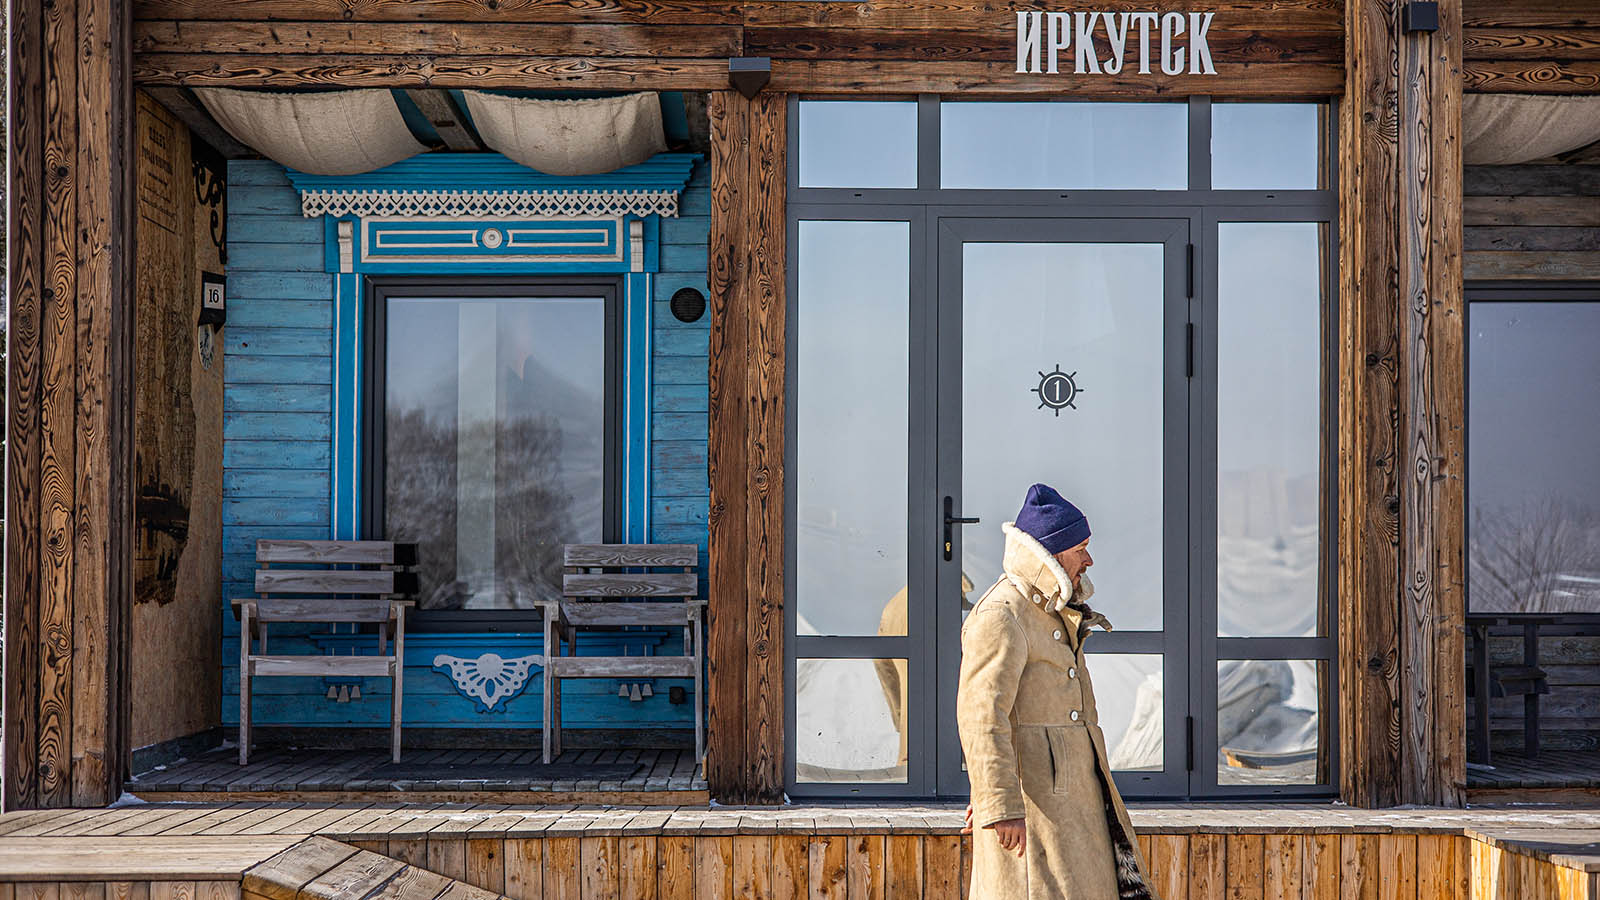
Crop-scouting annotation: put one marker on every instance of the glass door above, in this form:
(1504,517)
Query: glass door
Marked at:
(1064,358)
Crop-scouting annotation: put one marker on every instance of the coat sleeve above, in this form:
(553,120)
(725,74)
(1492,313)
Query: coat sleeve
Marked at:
(993,653)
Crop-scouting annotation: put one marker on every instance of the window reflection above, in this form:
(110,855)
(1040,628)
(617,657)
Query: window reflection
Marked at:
(1261,146)
(1269,308)
(851,356)
(1269,724)
(858,143)
(1128,689)
(1533,486)
(494,442)
(1111,146)
(850,721)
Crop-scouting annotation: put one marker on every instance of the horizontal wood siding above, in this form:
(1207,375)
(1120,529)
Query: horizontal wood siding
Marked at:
(1531,46)
(277,459)
(1532,223)
(1285,48)
(1569,716)
(678,486)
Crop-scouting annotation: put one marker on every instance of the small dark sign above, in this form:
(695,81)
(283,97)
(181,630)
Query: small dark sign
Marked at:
(1058,390)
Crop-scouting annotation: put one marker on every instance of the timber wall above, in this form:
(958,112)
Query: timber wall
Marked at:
(1532,222)
(174,660)
(277,458)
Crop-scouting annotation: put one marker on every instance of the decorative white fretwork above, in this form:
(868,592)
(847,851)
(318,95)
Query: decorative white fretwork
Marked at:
(489,204)
(490,678)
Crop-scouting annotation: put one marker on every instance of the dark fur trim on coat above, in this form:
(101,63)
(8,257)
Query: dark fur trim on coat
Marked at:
(1130,881)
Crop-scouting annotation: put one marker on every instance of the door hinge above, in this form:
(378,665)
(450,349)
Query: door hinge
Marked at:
(1188,743)
(1189,282)
(1188,351)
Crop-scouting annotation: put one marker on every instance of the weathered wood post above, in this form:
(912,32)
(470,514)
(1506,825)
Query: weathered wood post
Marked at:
(69,508)
(1401,437)
(744,751)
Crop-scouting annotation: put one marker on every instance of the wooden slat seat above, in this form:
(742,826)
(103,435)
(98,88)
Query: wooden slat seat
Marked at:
(613,586)
(352,582)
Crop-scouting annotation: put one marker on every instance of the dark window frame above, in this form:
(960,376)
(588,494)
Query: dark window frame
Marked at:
(1205,208)
(377,290)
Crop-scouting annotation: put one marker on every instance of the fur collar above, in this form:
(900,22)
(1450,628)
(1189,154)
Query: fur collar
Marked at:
(1031,568)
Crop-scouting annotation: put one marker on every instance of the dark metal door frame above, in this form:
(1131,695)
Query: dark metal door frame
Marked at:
(954,228)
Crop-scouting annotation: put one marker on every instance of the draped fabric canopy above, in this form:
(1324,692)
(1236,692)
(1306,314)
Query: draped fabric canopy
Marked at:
(1505,129)
(570,137)
(334,133)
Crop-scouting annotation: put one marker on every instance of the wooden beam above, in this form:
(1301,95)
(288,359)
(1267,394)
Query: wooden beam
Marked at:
(745,455)
(69,551)
(1540,76)
(614,12)
(1400,524)
(19,783)
(502,38)
(448,121)
(727,744)
(182,103)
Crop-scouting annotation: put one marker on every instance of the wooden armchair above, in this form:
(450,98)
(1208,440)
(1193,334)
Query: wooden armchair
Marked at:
(357,582)
(593,597)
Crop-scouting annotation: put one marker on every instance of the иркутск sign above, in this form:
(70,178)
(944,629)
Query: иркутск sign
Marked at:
(1046,39)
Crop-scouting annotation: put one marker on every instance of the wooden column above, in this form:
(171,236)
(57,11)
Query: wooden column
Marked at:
(1401,521)
(745,749)
(69,503)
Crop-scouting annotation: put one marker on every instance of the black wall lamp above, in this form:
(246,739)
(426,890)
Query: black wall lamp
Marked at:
(749,74)
(1419,15)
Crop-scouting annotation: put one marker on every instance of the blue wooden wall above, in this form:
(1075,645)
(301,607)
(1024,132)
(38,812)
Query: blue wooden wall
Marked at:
(277,438)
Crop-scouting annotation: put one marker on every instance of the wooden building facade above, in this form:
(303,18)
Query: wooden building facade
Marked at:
(100,333)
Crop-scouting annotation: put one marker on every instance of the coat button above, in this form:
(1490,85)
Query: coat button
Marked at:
(1058,635)
(1072,671)
(1074,716)
(1038,598)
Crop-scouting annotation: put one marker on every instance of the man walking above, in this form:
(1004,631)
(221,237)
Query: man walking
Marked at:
(1049,821)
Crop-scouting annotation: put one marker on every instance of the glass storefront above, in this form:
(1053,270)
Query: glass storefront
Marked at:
(1107,297)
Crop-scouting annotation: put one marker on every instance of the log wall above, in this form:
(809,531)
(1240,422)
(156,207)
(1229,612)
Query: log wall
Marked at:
(1532,46)
(1401,442)
(69,501)
(1282,48)
(1532,222)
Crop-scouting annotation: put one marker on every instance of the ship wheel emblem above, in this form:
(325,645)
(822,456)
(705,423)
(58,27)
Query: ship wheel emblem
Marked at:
(1058,390)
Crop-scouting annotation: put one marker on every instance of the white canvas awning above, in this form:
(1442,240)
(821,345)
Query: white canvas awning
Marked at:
(570,137)
(334,133)
(1506,129)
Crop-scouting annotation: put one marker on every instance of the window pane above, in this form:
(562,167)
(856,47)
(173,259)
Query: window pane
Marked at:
(1269,307)
(494,443)
(1127,691)
(858,143)
(1256,146)
(1112,146)
(1094,312)
(851,356)
(1269,723)
(850,720)
(1533,430)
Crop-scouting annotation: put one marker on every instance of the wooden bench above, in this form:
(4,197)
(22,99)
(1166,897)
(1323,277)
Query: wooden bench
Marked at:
(595,595)
(335,582)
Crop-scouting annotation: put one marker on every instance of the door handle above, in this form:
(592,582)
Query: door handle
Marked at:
(951,520)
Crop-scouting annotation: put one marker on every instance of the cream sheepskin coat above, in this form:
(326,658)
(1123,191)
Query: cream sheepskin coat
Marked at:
(1032,740)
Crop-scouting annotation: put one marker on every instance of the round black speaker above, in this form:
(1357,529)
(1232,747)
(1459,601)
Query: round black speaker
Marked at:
(688,304)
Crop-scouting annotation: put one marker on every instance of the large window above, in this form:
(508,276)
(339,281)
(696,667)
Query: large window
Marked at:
(490,427)
(1533,438)
(1130,301)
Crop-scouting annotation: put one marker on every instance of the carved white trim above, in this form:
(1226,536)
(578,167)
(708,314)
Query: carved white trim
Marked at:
(347,256)
(489,204)
(490,678)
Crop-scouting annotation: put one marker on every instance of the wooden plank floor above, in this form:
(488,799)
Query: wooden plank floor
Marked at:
(1549,769)
(889,851)
(630,776)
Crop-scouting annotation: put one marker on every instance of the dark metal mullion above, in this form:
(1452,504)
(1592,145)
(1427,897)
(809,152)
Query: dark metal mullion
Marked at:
(1199,143)
(845,646)
(1307,648)
(1203,514)
(997,200)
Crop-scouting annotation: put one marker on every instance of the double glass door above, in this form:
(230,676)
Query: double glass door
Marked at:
(941,364)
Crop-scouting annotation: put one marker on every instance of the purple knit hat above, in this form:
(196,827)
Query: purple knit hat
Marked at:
(1051,520)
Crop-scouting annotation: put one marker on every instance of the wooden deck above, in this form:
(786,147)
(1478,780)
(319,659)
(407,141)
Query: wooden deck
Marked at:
(427,851)
(1550,776)
(631,777)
